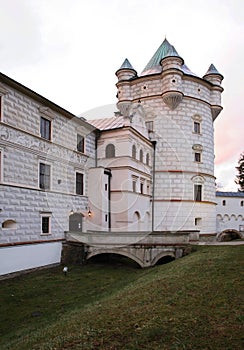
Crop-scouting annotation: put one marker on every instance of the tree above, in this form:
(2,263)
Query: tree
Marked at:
(240,177)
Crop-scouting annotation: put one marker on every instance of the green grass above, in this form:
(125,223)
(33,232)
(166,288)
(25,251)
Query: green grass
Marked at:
(192,303)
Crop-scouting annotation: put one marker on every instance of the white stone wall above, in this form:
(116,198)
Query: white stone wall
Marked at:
(124,202)
(22,149)
(176,168)
(19,258)
(230,213)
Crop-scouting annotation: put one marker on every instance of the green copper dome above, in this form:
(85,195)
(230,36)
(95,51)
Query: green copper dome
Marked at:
(164,50)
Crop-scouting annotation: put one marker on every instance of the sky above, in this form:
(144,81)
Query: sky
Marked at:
(68,51)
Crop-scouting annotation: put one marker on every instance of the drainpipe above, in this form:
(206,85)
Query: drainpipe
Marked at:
(97,134)
(153,184)
(109,174)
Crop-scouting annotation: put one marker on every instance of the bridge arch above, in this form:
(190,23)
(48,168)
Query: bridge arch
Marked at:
(229,235)
(117,252)
(162,255)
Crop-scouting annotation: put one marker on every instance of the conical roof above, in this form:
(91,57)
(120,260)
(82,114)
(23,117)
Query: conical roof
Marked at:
(212,70)
(164,50)
(126,65)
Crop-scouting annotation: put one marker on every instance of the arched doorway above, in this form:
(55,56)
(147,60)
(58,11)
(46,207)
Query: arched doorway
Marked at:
(75,222)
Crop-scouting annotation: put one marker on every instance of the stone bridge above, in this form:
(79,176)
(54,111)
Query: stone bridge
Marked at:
(145,248)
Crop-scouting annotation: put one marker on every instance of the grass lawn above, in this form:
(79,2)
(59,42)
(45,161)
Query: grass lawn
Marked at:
(192,303)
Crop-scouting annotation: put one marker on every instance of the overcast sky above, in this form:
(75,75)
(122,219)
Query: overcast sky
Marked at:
(68,51)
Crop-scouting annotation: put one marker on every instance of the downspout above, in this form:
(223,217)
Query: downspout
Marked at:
(109,174)
(97,134)
(153,184)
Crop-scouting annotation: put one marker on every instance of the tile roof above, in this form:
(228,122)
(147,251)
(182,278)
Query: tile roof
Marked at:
(230,194)
(108,123)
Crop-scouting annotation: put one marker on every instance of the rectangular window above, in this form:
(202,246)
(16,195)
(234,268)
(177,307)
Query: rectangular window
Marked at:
(79,183)
(45,224)
(197,128)
(44,176)
(141,188)
(149,126)
(197,157)
(134,186)
(198,193)
(198,221)
(45,128)
(80,143)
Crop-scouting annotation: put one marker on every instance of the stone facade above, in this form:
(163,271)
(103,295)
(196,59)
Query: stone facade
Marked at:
(181,108)
(230,214)
(148,169)
(29,213)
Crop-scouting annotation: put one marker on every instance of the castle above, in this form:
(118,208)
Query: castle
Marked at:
(148,168)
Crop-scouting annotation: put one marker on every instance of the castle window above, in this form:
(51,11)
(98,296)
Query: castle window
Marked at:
(80,143)
(134,151)
(134,183)
(198,221)
(149,126)
(224,202)
(198,193)
(45,128)
(46,223)
(79,183)
(147,159)
(44,176)
(141,187)
(110,151)
(197,127)
(242,203)
(197,157)
(141,155)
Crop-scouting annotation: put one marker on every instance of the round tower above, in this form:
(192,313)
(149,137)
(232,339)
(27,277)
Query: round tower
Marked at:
(180,108)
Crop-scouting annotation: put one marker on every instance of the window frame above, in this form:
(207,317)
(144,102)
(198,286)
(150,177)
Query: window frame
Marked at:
(197,197)
(43,122)
(134,151)
(77,183)
(110,151)
(197,157)
(141,155)
(80,145)
(48,216)
(44,176)
(196,127)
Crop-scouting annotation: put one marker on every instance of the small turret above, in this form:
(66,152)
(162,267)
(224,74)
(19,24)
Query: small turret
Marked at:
(172,76)
(214,77)
(126,71)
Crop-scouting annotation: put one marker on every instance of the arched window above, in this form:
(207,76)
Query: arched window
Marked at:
(141,155)
(134,151)
(147,159)
(10,224)
(224,202)
(242,202)
(110,151)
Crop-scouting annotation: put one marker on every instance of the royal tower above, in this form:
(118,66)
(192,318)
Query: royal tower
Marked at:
(178,109)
